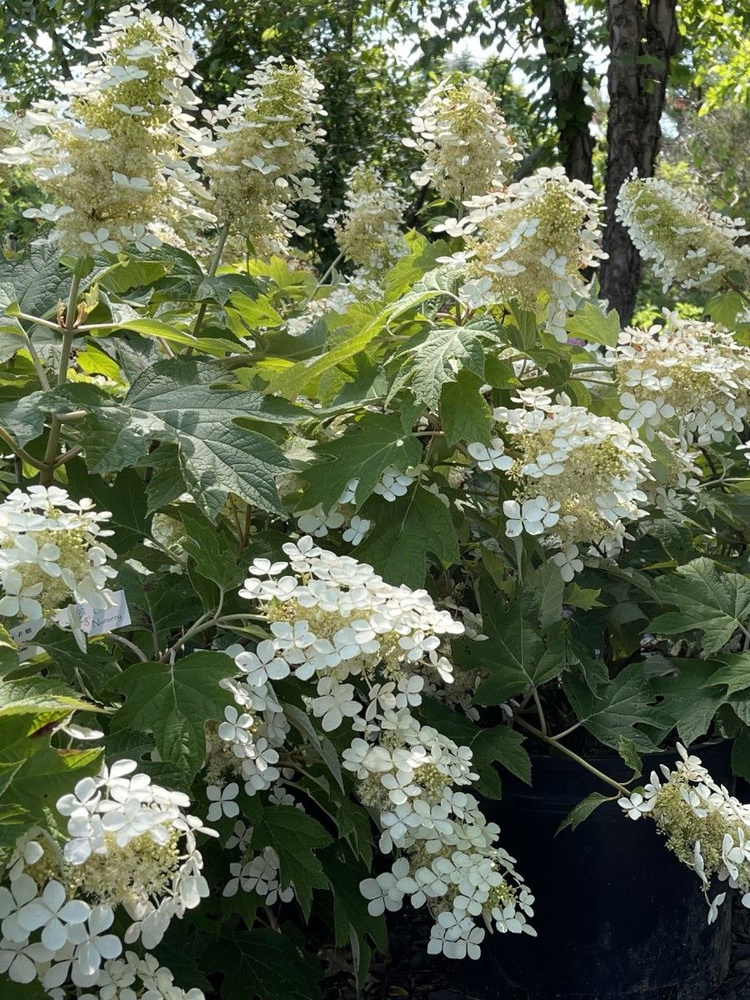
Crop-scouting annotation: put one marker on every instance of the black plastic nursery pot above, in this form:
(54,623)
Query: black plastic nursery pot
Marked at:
(617,915)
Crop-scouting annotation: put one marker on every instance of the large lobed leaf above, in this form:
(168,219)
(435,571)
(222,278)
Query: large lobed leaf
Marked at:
(692,694)
(176,401)
(436,361)
(405,531)
(264,965)
(714,603)
(464,412)
(174,702)
(376,442)
(515,655)
(295,379)
(620,709)
(294,836)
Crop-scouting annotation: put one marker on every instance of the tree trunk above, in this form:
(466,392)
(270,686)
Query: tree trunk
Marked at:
(567,79)
(642,41)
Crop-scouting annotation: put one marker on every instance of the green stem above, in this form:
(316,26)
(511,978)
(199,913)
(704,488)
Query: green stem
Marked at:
(38,321)
(21,452)
(539,710)
(243,617)
(129,645)
(100,326)
(326,274)
(53,442)
(591,368)
(38,366)
(202,625)
(551,741)
(69,418)
(567,732)
(71,453)
(590,381)
(212,269)
(721,481)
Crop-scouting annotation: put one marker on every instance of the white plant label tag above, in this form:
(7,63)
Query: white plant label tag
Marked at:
(26,630)
(115,615)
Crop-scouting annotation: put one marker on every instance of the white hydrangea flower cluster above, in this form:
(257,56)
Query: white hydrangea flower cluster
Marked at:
(51,552)
(108,152)
(258,873)
(318,523)
(370,648)
(464,139)
(529,243)
(130,844)
(245,745)
(393,483)
(13,129)
(687,243)
(368,229)
(412,776)
(686,369)
(264,150)
(48,935)
(136,978)
(677,476)
(579,476)
(334,619)
(705,826)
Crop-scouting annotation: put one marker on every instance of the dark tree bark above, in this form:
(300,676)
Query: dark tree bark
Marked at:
(642,38)
(567,79)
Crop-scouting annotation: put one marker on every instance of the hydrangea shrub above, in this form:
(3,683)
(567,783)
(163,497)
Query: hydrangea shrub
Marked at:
(298,561)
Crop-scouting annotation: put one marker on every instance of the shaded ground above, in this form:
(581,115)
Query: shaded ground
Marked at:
(411,974)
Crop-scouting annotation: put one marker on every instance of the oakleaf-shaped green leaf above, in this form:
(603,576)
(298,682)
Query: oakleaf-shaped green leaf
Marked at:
(294,836)
(714,603)
(177,401)
(436,360)
(264,965)
(38,279)
(734,675)
(690,696)
(619,708)
(406,530)
(296,378)
(23,418)
(504,745)
(40,696)
(174,702)
(214,551)
(376,442)
(464,412)
(43,773)
(514,655)
(594,326)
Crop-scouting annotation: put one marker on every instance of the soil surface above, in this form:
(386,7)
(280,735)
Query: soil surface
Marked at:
(409,973)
